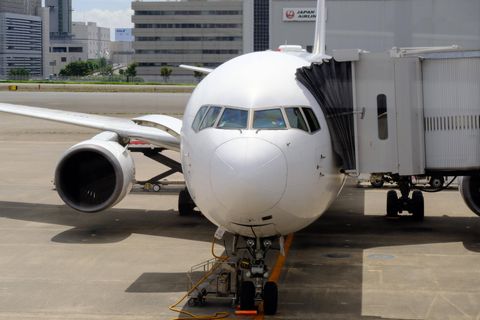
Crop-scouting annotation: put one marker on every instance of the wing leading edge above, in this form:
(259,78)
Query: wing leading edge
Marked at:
(160,130)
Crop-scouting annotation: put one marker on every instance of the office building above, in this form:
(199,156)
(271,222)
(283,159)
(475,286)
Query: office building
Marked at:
(208,32)
(60,18)
(20,44)
(379,25)
(87,42)
(196,32)
(25,7)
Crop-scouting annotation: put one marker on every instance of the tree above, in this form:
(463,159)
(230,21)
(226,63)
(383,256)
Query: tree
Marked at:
(166,72)
(197,74)
(131,71)
(107,70)
(78,69)
(19,73)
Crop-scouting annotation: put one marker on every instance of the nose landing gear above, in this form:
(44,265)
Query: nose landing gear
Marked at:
(254,274)
(413,205)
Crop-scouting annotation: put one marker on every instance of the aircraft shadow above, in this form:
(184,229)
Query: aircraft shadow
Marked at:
(112,226)
(323,275)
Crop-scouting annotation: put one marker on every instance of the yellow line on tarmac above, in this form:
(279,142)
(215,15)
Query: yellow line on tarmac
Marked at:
(277,269)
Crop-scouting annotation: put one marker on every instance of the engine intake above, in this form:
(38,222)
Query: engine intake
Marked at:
(470,191)
(94,175)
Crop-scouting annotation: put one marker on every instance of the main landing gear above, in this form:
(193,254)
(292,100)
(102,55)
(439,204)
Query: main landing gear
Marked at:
(254,273)
(413,205)
(186,205)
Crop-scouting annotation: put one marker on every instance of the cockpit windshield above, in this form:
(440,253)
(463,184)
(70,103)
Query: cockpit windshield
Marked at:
(269,119)
(302,118)
(210,118)
(233,119)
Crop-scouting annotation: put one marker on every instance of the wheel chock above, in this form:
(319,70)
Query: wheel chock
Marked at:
(246,312)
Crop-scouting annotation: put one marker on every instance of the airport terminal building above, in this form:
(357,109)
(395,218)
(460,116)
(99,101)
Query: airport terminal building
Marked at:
(208,33)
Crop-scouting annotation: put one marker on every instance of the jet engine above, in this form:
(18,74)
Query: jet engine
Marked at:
(470,190)
(96,174)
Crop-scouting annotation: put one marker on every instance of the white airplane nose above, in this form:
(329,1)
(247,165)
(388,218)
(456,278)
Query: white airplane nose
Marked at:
(248,175)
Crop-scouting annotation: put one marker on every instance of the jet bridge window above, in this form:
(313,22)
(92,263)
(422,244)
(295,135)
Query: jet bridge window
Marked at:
(210,118)
(233,119)
(269,119)
(382,117)
(295,118)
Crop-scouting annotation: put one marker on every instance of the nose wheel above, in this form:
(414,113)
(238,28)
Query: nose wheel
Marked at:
(254,275)
(247,295)
(270,298)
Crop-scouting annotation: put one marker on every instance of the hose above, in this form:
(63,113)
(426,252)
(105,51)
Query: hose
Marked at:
(216,316)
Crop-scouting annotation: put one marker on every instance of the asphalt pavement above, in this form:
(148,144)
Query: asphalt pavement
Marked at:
(131,261)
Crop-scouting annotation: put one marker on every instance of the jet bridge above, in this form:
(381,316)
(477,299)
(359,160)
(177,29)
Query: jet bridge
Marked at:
(406,112)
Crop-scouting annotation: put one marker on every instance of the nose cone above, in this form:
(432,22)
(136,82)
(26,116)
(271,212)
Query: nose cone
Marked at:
(248,175)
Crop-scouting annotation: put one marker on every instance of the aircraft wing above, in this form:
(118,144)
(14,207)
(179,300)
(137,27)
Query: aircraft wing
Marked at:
(197,69)
(160,130)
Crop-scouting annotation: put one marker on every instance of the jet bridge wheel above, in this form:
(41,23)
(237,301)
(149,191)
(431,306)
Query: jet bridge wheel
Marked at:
(392,204)
(270,298)
(436,182)
(186,205)
(247,296)
(417,205)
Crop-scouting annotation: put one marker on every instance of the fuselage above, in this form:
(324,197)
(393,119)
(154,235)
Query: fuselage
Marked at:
(256,151)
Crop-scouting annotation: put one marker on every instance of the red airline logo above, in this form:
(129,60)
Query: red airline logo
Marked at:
(290,14)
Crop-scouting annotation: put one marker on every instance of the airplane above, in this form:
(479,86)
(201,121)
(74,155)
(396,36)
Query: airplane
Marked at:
(256,153)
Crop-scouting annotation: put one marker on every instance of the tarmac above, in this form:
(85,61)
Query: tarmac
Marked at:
(131,262)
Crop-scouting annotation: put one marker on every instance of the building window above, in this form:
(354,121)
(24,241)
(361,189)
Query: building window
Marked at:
(75,49)
(59,49)
(261,21)
(64,59)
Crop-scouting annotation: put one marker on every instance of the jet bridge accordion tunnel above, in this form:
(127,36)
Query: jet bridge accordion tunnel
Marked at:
(405,112)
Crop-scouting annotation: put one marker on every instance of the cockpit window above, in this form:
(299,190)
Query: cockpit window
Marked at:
(296,119)
(233,119)
(198,118)
(210,118)
(311,119)
(269,119)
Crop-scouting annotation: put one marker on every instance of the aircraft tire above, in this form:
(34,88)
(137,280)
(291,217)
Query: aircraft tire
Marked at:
(270,298)
(418,206)
(186,205)
(392,204)
(247,296)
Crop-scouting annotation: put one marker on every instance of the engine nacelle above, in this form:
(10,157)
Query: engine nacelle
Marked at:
(96,174)
(470,191)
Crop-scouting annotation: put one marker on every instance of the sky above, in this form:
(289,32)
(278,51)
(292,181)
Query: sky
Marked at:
(106,13)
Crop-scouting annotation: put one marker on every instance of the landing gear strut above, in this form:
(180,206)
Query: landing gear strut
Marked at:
(413,205)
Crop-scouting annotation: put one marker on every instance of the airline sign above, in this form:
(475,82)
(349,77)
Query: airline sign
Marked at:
(299,14)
